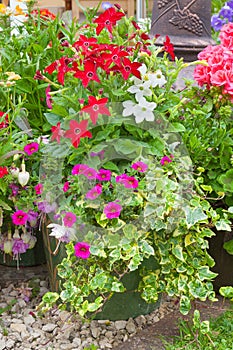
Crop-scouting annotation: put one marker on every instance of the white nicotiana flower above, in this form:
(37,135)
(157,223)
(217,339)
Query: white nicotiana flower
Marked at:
(152,78)
(140,90)
(128,108)
(144,110)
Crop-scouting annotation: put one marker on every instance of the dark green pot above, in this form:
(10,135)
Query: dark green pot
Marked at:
(129,304)
(32,257)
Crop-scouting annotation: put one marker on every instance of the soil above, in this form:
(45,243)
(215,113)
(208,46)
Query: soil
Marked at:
(151,338)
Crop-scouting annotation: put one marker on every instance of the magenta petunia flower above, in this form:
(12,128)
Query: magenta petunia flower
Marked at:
(19,217)
(127,181)
(112,210)
(79,169)
(69,219)
(19,246)
(31,148)
(104,175)
(165,160)
(82,250)
(90,173)
(38,188)
(66,186)
(140,166)
(94,192)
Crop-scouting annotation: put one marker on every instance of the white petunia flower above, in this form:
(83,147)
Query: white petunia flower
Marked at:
(144,111)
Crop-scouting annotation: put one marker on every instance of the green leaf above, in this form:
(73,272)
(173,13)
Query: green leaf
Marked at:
(229,246)
(178,252)
(5,206)
(125,146)
(146,248)
(110,166)
(50,298)
(176,127)
(194,215)
(226,292)
(53,118)
(230,210)
(204,273)
(227,181)
(223,225)
(185,305)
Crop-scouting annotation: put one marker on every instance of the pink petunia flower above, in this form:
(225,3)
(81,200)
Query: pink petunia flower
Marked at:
(31,148)
(165,160)
(79,169)
(38,188)
(112,210)
(90,173)
(69,219)
(19,217)
(94,192)
(127,181)
(82,250)
(140,166)
(104,175)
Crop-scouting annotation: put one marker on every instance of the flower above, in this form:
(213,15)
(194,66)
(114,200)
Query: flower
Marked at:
(19,217)
(69,219)
(165,160)
(30,148)
(112,210)
(94,192)
(82,250)
(3,171)
(140,166)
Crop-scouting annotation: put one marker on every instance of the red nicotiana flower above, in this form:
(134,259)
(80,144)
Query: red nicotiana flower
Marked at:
(77,131)
(44,13)
(108,19)
(88,74)
(57,132)
(3,171)
(128,68)
(96,107)
(85,43)
(169,48)
(62,68)
(114,56)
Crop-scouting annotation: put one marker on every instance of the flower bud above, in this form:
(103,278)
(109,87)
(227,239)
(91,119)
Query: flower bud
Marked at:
(14,172)
(7,247)
(23,176)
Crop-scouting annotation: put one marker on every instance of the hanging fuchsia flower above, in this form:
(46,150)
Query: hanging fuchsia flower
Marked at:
(94,192)
(31,148)
(82,250)
(104,175)
(38,188)
(19,246)
(19,217)
(69,219)
(112,210)
(140,166)
(165,160)
(127,181)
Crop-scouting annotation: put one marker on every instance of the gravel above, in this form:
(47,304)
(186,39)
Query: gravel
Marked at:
(22,328)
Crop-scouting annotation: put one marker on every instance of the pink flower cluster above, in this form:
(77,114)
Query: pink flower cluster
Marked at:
(219,69)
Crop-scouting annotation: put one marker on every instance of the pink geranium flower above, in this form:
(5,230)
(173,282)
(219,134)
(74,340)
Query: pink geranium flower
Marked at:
(140,166)
(19,217)
(112,210)
(31,148)
(94,192)
(82,250)
(69,219)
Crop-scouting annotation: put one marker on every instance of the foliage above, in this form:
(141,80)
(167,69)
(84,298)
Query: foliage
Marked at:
(95,99)
(209,334)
